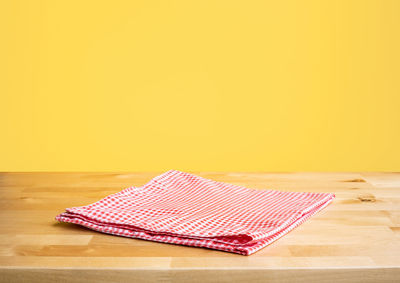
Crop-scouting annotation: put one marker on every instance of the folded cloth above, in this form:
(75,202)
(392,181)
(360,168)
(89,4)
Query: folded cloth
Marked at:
(185,209)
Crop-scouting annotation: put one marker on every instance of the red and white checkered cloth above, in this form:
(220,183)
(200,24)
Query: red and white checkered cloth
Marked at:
(185,209)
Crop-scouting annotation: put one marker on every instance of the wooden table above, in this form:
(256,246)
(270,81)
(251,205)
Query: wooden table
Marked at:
(355,239)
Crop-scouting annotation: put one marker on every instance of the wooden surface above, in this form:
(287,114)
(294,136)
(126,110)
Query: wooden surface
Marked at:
(355,239)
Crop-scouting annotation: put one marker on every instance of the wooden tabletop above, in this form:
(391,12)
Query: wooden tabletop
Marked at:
(355,239)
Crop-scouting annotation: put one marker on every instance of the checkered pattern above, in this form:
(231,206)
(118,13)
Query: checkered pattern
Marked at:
(185,209)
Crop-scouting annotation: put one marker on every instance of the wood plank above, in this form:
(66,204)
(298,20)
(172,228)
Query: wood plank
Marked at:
(355,239)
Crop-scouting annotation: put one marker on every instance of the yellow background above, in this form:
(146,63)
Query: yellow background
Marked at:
(200,85)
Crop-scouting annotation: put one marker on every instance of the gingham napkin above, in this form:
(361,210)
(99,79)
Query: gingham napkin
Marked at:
(181,208)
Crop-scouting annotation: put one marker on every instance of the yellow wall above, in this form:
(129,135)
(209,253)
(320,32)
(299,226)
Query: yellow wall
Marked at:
(200,85)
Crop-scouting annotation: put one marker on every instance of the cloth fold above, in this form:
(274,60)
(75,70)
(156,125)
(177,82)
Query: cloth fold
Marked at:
(181,208)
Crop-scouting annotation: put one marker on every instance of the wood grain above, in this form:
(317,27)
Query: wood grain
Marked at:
(355,239)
